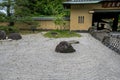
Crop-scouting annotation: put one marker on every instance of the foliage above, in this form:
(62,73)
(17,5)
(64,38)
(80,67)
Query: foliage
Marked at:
(8,5)
(2,17)
(23,10)
(33,25)
(59,20)
(20,9)
(61,34)
(46,7)
(9,29)
(16,10)
(25,32)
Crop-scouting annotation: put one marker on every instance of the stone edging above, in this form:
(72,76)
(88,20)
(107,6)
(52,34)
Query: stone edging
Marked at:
(109,39)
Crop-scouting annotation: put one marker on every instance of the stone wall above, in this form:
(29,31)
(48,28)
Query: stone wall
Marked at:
(44,23)
(47,23)
(112,41)
(108,38)
(99,34)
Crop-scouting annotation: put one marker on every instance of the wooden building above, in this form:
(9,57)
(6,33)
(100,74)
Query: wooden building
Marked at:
(85,13)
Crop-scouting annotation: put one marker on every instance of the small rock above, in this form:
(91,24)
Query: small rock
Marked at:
(9,39)
(64,47)
(14,36)
(2,35)
(54,33)
(73,42)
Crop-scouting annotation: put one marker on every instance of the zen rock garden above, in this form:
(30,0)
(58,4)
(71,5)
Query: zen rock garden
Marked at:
(34,58)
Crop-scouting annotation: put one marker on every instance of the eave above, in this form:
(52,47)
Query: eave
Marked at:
(82,2)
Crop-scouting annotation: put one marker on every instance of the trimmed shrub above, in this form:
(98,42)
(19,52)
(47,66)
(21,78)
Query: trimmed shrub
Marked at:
(9,29)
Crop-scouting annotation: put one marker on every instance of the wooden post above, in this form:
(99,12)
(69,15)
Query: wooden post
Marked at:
(115,23)
(98,25)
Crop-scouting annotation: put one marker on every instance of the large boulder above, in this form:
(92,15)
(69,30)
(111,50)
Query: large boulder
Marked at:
(100,34)
(2,35)
(14,36)
(64,47)
(106,40)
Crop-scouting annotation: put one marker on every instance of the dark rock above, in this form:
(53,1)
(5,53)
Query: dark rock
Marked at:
(64,47)
(91,29)
(54,33)
(100,35)
(2,35)
(106,40)
(14,36)
(107,30)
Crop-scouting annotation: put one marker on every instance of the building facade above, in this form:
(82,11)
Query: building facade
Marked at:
(85,13)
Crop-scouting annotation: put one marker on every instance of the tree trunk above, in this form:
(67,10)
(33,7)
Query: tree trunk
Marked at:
(11,22)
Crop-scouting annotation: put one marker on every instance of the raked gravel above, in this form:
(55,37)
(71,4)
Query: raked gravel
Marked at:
(34,58)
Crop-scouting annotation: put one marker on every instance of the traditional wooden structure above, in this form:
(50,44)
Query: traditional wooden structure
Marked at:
(85,13)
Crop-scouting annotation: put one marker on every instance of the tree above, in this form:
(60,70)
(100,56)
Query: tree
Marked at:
(16,10)
(8,5)
(45,7)
(59,20)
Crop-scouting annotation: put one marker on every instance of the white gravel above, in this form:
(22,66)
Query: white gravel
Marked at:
(34,58)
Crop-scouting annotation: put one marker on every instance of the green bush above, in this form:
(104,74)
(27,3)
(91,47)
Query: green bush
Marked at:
(9,29)
(4,28)
(13,29)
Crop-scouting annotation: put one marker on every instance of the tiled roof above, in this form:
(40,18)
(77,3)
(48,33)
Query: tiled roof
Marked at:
(82,1)
(85,1)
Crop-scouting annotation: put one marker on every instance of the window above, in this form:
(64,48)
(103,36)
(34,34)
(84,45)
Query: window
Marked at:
(80,19)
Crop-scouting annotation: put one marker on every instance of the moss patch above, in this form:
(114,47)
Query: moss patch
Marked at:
(61,34)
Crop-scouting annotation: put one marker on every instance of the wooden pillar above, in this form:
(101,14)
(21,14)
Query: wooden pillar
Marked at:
(115,23)
(93,20)
(98,24)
